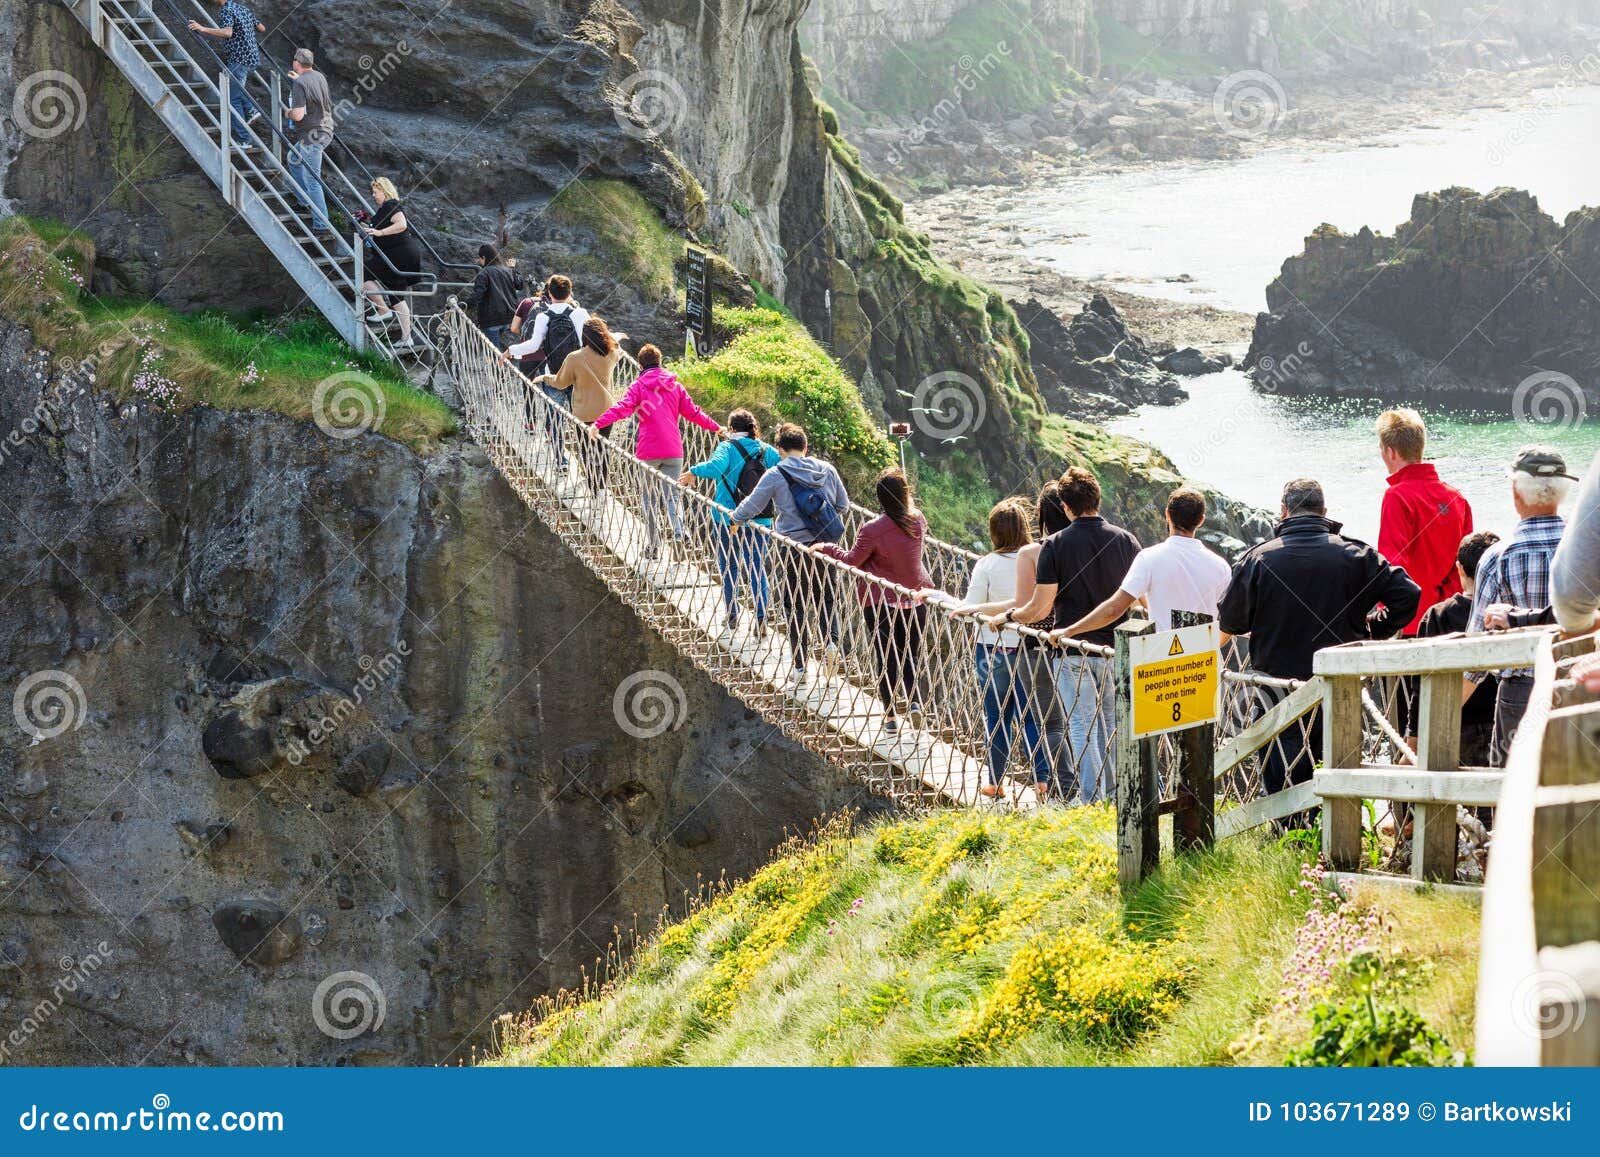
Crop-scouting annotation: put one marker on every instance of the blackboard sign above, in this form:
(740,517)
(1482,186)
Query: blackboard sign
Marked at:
(697,310)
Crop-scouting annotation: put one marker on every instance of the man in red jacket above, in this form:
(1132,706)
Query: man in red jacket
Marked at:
(1423,519)
(1421,528)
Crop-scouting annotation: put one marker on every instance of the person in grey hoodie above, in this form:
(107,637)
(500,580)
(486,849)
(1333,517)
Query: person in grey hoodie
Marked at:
(804,579)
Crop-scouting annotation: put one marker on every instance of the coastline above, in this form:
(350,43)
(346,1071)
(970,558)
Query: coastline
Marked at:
(961,225)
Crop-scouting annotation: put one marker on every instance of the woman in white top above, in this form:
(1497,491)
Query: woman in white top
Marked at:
(1005,661)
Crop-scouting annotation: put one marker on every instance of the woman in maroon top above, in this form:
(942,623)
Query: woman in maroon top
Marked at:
(890,547)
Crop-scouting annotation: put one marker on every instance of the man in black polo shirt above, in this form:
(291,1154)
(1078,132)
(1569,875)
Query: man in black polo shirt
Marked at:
(1079,568)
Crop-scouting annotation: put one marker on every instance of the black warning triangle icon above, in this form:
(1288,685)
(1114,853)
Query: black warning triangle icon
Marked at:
(1176,648)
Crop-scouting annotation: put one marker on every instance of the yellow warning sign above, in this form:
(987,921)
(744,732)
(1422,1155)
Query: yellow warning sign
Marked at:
(1176,678)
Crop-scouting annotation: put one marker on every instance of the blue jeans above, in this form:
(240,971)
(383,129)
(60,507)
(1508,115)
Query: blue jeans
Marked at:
(1087,695)
(242,108)
(1005,700)
(304,163)
(742,560)
(554,428)
(496,334)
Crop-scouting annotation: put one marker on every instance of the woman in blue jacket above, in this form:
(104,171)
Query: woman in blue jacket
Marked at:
(738,551)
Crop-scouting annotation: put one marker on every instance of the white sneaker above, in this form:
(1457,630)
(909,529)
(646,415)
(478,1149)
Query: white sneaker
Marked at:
(381,318)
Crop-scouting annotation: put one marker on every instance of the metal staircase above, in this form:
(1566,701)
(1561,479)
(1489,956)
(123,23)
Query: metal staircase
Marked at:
(182,78)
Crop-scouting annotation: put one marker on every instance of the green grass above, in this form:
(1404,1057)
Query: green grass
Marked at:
(632,243)
(999,939)
(990,60)
(771,365)
(209,358)
(1124,53)
(957,496)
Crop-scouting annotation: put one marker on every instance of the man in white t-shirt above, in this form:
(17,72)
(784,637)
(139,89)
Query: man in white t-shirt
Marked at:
(1180,574)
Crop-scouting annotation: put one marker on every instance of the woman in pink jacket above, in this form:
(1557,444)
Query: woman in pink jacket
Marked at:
(659,399)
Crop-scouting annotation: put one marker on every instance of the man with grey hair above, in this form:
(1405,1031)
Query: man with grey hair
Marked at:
(310,124)
(1307,588)
(1514,577)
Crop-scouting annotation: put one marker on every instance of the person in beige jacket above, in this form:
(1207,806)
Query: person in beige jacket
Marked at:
(587,373)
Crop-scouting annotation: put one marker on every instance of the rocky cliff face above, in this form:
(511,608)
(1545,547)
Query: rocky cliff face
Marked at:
(287,707)
(1472,295)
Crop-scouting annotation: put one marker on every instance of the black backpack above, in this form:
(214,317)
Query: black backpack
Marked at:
(560,339)
(749,474)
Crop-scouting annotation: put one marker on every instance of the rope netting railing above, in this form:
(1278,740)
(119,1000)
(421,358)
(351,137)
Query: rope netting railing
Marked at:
(920,704)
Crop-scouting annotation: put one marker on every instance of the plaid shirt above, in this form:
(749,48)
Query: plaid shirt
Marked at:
(239,50)
(1517,572)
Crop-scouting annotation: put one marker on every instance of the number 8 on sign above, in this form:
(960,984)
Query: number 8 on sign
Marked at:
(1177,712)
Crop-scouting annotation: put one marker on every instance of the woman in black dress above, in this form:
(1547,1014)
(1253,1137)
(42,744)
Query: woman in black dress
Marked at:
(392,236)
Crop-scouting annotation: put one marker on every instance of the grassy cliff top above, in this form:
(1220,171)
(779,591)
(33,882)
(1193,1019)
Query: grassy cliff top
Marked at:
(1002,939)
(140,350)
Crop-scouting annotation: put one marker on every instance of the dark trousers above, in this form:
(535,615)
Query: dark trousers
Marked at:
(592,459)
(1288,760)
(1510,704)
(897,642)
(807,596)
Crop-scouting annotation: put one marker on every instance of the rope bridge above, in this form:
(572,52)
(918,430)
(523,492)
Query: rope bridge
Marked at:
(664,550)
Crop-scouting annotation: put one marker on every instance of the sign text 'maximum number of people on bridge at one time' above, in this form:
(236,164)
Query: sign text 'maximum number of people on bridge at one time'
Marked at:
(1176,679)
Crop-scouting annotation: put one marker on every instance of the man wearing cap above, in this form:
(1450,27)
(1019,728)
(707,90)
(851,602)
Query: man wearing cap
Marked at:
(1514,576)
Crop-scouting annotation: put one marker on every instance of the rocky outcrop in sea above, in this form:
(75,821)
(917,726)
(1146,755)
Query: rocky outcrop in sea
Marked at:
(1470,299)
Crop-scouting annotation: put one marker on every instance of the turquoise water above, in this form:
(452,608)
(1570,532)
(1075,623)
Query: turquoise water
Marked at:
(1229,226)
(1247,445)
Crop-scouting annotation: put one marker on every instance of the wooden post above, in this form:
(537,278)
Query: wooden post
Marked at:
(1138,836)
(1194,824)
(1433,830)
(1341,748)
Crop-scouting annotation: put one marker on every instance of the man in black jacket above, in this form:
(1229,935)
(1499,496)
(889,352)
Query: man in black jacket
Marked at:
(495,294)
(1309,588)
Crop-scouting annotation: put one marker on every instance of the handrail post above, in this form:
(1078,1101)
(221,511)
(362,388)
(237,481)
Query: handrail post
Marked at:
(274,138)
(225,137)
(1138,836)
(360,341)
(1433,826)
(1341,748)
(97,23)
